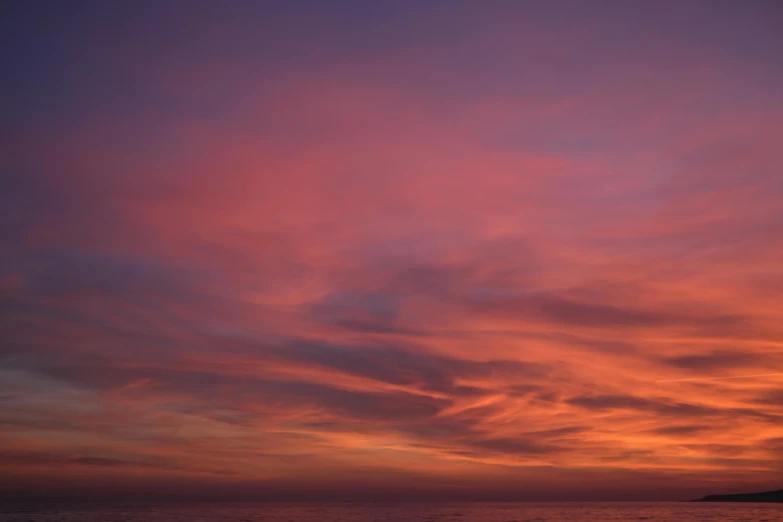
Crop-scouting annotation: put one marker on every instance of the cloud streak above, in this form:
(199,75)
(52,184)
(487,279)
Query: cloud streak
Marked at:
(725,377)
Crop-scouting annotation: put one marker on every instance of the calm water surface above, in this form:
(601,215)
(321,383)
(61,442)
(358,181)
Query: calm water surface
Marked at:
(393,512)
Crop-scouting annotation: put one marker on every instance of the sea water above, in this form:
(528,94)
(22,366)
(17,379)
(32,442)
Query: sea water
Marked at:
(394,512)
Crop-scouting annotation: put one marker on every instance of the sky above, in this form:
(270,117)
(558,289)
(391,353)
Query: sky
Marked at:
(341,250)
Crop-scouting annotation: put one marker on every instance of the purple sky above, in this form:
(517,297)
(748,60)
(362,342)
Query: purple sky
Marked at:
(335,250)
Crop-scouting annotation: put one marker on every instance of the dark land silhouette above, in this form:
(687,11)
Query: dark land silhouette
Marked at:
(767,496)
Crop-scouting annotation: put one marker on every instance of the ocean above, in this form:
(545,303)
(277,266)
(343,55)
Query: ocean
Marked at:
(396,512)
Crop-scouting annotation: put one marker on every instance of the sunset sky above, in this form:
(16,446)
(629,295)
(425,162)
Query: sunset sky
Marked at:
(391,249)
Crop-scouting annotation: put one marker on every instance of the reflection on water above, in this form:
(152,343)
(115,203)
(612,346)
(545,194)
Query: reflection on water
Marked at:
(395,512)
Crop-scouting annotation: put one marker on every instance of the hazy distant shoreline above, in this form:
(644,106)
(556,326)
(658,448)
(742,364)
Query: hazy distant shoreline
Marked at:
(766,496)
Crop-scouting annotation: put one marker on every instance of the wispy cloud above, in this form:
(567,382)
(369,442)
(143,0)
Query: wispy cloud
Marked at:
(370,248)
